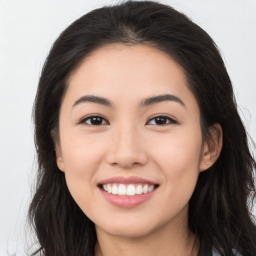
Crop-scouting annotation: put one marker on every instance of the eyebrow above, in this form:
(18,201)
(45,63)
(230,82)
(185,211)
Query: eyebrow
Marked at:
(161,98)
(93,99)
(146,102)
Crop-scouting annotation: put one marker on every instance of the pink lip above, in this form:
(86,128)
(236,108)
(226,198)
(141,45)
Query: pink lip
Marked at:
(127,201)
(127,180)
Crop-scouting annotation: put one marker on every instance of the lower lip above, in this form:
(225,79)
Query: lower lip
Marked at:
(127,201)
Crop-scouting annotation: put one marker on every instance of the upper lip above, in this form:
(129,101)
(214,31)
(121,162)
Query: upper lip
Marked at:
(126,180)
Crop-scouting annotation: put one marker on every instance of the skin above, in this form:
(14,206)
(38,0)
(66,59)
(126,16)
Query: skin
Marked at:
(129,142)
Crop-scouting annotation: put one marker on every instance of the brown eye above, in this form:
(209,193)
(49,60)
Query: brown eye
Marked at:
(94,120)
(161,120)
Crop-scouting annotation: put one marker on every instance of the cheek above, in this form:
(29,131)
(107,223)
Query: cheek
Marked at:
(82,156)
(178,149)
(178,157)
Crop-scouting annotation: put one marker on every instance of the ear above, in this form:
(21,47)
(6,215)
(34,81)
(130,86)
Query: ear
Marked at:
(59,158)
(212,147)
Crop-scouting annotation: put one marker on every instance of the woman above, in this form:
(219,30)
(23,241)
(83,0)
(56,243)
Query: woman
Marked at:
(140,146)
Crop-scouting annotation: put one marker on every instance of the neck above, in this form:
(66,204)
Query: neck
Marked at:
(167,240)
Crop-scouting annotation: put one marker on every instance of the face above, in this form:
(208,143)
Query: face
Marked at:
(130,142)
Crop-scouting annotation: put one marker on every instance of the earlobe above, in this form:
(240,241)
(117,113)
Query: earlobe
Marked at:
(59,158)
(212,147)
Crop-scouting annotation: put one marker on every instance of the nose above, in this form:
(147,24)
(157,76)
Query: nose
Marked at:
(127,149)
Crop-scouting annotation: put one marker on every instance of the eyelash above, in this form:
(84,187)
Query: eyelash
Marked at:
(168,119)
(95,118)
(102,121)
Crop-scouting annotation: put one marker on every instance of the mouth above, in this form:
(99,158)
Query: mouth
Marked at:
(127,192)
(127,189)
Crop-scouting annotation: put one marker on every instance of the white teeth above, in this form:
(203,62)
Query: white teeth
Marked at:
(130,190)
(121,190)
(145,189)
(109,189)
(139,190)
(114,189)
(127,190)
(150,188)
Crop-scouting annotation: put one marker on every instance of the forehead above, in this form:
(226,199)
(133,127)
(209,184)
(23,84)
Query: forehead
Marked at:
(126,72)
(125,58)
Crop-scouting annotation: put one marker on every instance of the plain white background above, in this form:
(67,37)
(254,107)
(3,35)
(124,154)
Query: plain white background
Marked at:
(27,30)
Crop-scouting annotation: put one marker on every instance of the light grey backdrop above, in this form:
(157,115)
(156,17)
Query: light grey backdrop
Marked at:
(27,31)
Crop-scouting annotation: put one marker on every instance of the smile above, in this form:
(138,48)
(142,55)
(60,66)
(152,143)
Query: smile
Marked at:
(127,192)
(128,189)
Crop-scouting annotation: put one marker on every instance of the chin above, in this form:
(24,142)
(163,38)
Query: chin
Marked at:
(128,228)
(130,232)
